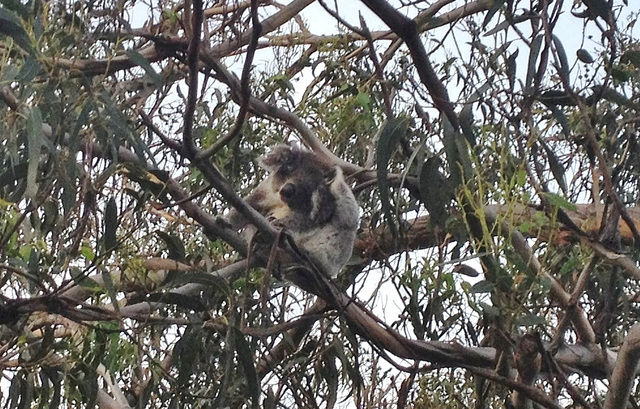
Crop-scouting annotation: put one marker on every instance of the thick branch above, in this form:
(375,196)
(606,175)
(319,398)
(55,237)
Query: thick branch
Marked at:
(624,372)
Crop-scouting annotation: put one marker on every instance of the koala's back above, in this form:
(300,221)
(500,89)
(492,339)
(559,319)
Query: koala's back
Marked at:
(331,244)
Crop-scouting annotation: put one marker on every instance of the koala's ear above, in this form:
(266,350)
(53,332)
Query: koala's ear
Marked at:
(275,158)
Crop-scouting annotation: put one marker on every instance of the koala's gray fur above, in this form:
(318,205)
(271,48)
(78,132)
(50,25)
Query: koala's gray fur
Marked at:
(309,198)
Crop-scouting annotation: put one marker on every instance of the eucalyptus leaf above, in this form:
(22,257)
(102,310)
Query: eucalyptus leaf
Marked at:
(393,130)
(35,143)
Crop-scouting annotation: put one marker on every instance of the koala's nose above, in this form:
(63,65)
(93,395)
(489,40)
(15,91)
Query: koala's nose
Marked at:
(288,191)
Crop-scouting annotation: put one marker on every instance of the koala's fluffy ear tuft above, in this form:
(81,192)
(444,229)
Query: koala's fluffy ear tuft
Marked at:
(272,160)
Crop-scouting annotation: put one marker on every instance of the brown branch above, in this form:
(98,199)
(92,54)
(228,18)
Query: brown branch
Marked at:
(580,320)
(530,391)
(625,370)
(528,362)
(269,24)
(378,244)
(192,62)
(106,66)
(291,340)
(407,30)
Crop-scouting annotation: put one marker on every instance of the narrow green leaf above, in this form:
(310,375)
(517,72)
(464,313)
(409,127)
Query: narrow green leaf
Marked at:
(435,191)
(110,288)
(246,359)
(562,57)
(110,225)
(16,6)
(138,59)
(186,354)
(175,246)
(511,68)
(492,12)
(329,372)
(35,143)
(198,277)
(364,100)
(11,26)
(489,310)
(466,114)
(556,167)
(484,286)
(456,148)
(30,69)
(584,56)
(536,45)
(393,130)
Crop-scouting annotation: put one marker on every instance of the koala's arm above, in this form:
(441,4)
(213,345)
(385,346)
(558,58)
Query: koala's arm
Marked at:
(262,198)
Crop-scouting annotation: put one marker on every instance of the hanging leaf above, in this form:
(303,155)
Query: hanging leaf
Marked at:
(216,283)
(11,26)
(186,354)
(457,153)
(246,356)
(562,57)
(536,45)
(556,97)
(174,245)
(144,63)
(511,66)
(34,139)
(435,191)
(484,286)
(584,56)
(492,11)
(466,114)
(110,225)
(17,6)
(30,69)
(329,372)
(393,130)
(562,119)
(180,300)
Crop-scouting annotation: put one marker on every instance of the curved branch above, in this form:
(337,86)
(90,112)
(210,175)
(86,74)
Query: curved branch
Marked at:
(624,372)
(407,30)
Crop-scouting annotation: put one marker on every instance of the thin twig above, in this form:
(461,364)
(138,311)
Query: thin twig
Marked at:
(245,85)
(192,62)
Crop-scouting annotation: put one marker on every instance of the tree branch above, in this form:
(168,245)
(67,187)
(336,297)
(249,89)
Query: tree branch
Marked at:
(624,372)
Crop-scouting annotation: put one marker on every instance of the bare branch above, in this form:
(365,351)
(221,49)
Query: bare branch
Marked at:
(624,372)
(192,62)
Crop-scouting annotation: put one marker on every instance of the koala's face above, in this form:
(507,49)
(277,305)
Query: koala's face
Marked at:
(302,182)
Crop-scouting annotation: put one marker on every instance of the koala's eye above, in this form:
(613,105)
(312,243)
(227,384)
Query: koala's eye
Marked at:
(329,176)
(288,191)
(287,167)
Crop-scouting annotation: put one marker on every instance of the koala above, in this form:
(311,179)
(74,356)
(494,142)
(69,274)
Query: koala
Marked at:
(307,196)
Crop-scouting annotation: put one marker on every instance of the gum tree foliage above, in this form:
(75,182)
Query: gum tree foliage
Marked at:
(493,146)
